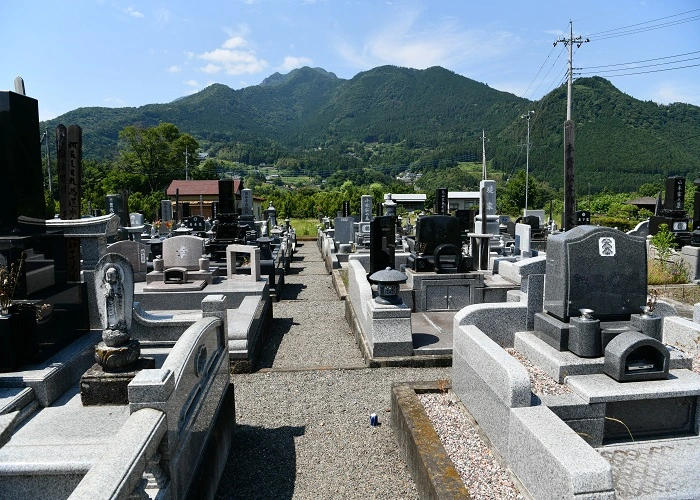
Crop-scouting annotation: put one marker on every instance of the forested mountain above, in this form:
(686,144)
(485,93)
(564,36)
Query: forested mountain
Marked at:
(390,118)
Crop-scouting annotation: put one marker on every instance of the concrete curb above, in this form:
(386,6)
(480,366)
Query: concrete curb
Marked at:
(430,466)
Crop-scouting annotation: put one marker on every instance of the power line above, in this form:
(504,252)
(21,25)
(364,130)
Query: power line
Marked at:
(645,60)
(639,27)
(645,72)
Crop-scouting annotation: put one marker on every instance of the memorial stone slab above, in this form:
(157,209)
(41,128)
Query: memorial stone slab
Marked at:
(344,229)
(598,268)
(522,238)
(166,210)
(137,255)
(136,219)
(183,251)
(247,203)
(366,208)
(441,202)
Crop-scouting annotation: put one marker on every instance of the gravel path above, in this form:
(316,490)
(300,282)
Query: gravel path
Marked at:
(303,418)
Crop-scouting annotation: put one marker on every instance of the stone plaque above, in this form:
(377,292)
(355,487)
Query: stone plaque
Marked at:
(441,203)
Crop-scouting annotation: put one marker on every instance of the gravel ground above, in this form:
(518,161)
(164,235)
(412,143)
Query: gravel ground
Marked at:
(303,424)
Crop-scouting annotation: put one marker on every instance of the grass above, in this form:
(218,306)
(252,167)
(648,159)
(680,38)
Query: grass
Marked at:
(305,227)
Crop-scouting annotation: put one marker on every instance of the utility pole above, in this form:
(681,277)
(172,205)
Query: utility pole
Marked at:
(569,42)
(187,178)
(527,155)
(483,155)
(569,216)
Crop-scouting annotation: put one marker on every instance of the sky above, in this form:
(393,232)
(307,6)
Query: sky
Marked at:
(117,53)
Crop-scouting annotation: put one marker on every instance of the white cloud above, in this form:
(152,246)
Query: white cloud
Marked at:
(668,93)
(234,56)
(133,12)
(174,69)
(210,68)
(162,16)
(445,43)
(192,83)
(291,62)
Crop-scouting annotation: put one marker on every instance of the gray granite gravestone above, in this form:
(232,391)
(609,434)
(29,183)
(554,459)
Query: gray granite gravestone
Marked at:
(137,255)
(596,268)
(183,251)
(344,229)
(366,208)
(246,203)
(486,219)
(166,210)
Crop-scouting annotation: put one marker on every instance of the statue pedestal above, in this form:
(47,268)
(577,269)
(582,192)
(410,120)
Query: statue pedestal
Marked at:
(99,387)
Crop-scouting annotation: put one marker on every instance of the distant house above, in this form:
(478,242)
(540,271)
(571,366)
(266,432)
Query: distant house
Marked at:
(200,197)
(463,200)
(647,202)
(410,202)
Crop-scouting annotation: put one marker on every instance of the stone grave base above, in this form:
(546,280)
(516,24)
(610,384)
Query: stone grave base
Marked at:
(161,286)
(98,387)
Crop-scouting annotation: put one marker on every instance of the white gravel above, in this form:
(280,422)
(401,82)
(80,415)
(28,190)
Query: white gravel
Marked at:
(478,467)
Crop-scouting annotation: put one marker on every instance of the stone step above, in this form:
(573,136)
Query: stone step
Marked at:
(18,399)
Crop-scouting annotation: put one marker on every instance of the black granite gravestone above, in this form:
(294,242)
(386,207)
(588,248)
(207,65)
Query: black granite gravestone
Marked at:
(598,268)
(675,193)
(435,230)
(583,218)
(227,198)
(382,243)
(441,204)
(20,162)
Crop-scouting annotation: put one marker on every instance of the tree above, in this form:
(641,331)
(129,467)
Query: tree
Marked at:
(158,153)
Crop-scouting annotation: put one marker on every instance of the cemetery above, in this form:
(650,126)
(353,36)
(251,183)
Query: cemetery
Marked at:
(575,374)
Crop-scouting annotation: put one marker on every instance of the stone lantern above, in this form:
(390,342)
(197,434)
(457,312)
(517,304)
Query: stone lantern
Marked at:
(271,215)
(388,281)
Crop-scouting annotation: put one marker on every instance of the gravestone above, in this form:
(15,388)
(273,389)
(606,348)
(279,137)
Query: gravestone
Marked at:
(346,209)
(185,210)
(486,219)
(183,251)
(69,154)
(441,203)
(20,157)
(466,222)
(227,197)
(366,208)
(675,193)
(136,219)
(246,204)
(197,223)
(435,230)
(596,268)
(137,255)
(382,243)
(166,210)
(344,229)
(583,218)
(522,240)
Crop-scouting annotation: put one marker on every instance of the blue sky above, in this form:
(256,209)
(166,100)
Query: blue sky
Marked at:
(117,53)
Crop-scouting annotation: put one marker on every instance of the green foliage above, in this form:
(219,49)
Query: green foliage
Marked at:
(511,197)
(664,242)
(159,153)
